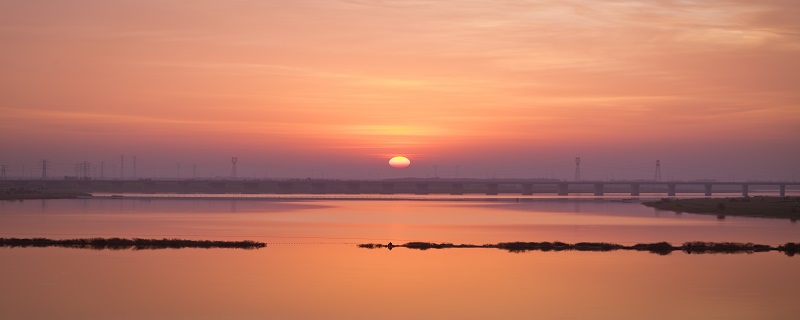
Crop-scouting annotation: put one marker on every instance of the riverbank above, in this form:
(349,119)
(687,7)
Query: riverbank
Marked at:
(24,194)
(761,207)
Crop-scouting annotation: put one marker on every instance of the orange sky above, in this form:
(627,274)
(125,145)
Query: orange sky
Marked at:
(335,88)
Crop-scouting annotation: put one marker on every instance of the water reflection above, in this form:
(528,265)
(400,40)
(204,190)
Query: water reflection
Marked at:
(345,282)
(368,221)
(342,281)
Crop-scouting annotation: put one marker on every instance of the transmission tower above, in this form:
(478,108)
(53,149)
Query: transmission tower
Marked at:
(122,166)
(134,167)
(3,172)
(83,170)
(87,170)
(658,170)
(233,168)
(102,165)
(44,169)
(578,169)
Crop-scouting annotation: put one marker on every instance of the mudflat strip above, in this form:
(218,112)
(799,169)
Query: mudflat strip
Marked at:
(124,244)
(762,207)
(662,248)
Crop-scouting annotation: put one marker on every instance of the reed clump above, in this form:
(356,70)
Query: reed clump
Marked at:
(790,249)
(724,247)
(661,248)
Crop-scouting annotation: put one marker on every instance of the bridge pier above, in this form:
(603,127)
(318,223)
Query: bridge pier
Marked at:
(353,188)
(491,189)
(183,187)
(527,189)
(457,189)
(387,188)
(598,189)
(563,189)
(708,189)
(422,188)
(745,191)
(635,189)
(284,187)
(671,189)
(216,187)
(783,190)
(318,187)
(250,187)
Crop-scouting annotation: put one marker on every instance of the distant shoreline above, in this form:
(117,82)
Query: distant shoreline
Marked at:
(13,195)
(758,207)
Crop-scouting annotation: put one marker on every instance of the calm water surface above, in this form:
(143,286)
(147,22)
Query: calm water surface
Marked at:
(312,269)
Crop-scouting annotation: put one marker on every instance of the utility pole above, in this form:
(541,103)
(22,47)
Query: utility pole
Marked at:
(578,169)
(233,169)
(3,172)
(44,169)
(658,170)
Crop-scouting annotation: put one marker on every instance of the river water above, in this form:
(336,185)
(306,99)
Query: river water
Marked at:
(312,269)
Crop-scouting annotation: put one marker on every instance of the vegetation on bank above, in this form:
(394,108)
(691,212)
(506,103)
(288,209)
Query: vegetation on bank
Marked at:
(763,207)
(28,194)
(124,244)
(662,248)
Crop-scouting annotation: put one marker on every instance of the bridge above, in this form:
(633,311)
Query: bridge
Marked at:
(401,186)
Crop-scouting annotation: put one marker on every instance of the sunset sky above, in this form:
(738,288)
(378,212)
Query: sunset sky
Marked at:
(333,89)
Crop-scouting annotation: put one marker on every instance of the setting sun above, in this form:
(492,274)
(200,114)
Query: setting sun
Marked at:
(399,162)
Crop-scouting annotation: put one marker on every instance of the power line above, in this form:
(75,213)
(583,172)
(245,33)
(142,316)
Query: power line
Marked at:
(83,170)
(577,169)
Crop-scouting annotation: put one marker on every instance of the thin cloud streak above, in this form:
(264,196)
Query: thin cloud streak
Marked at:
(447,77)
